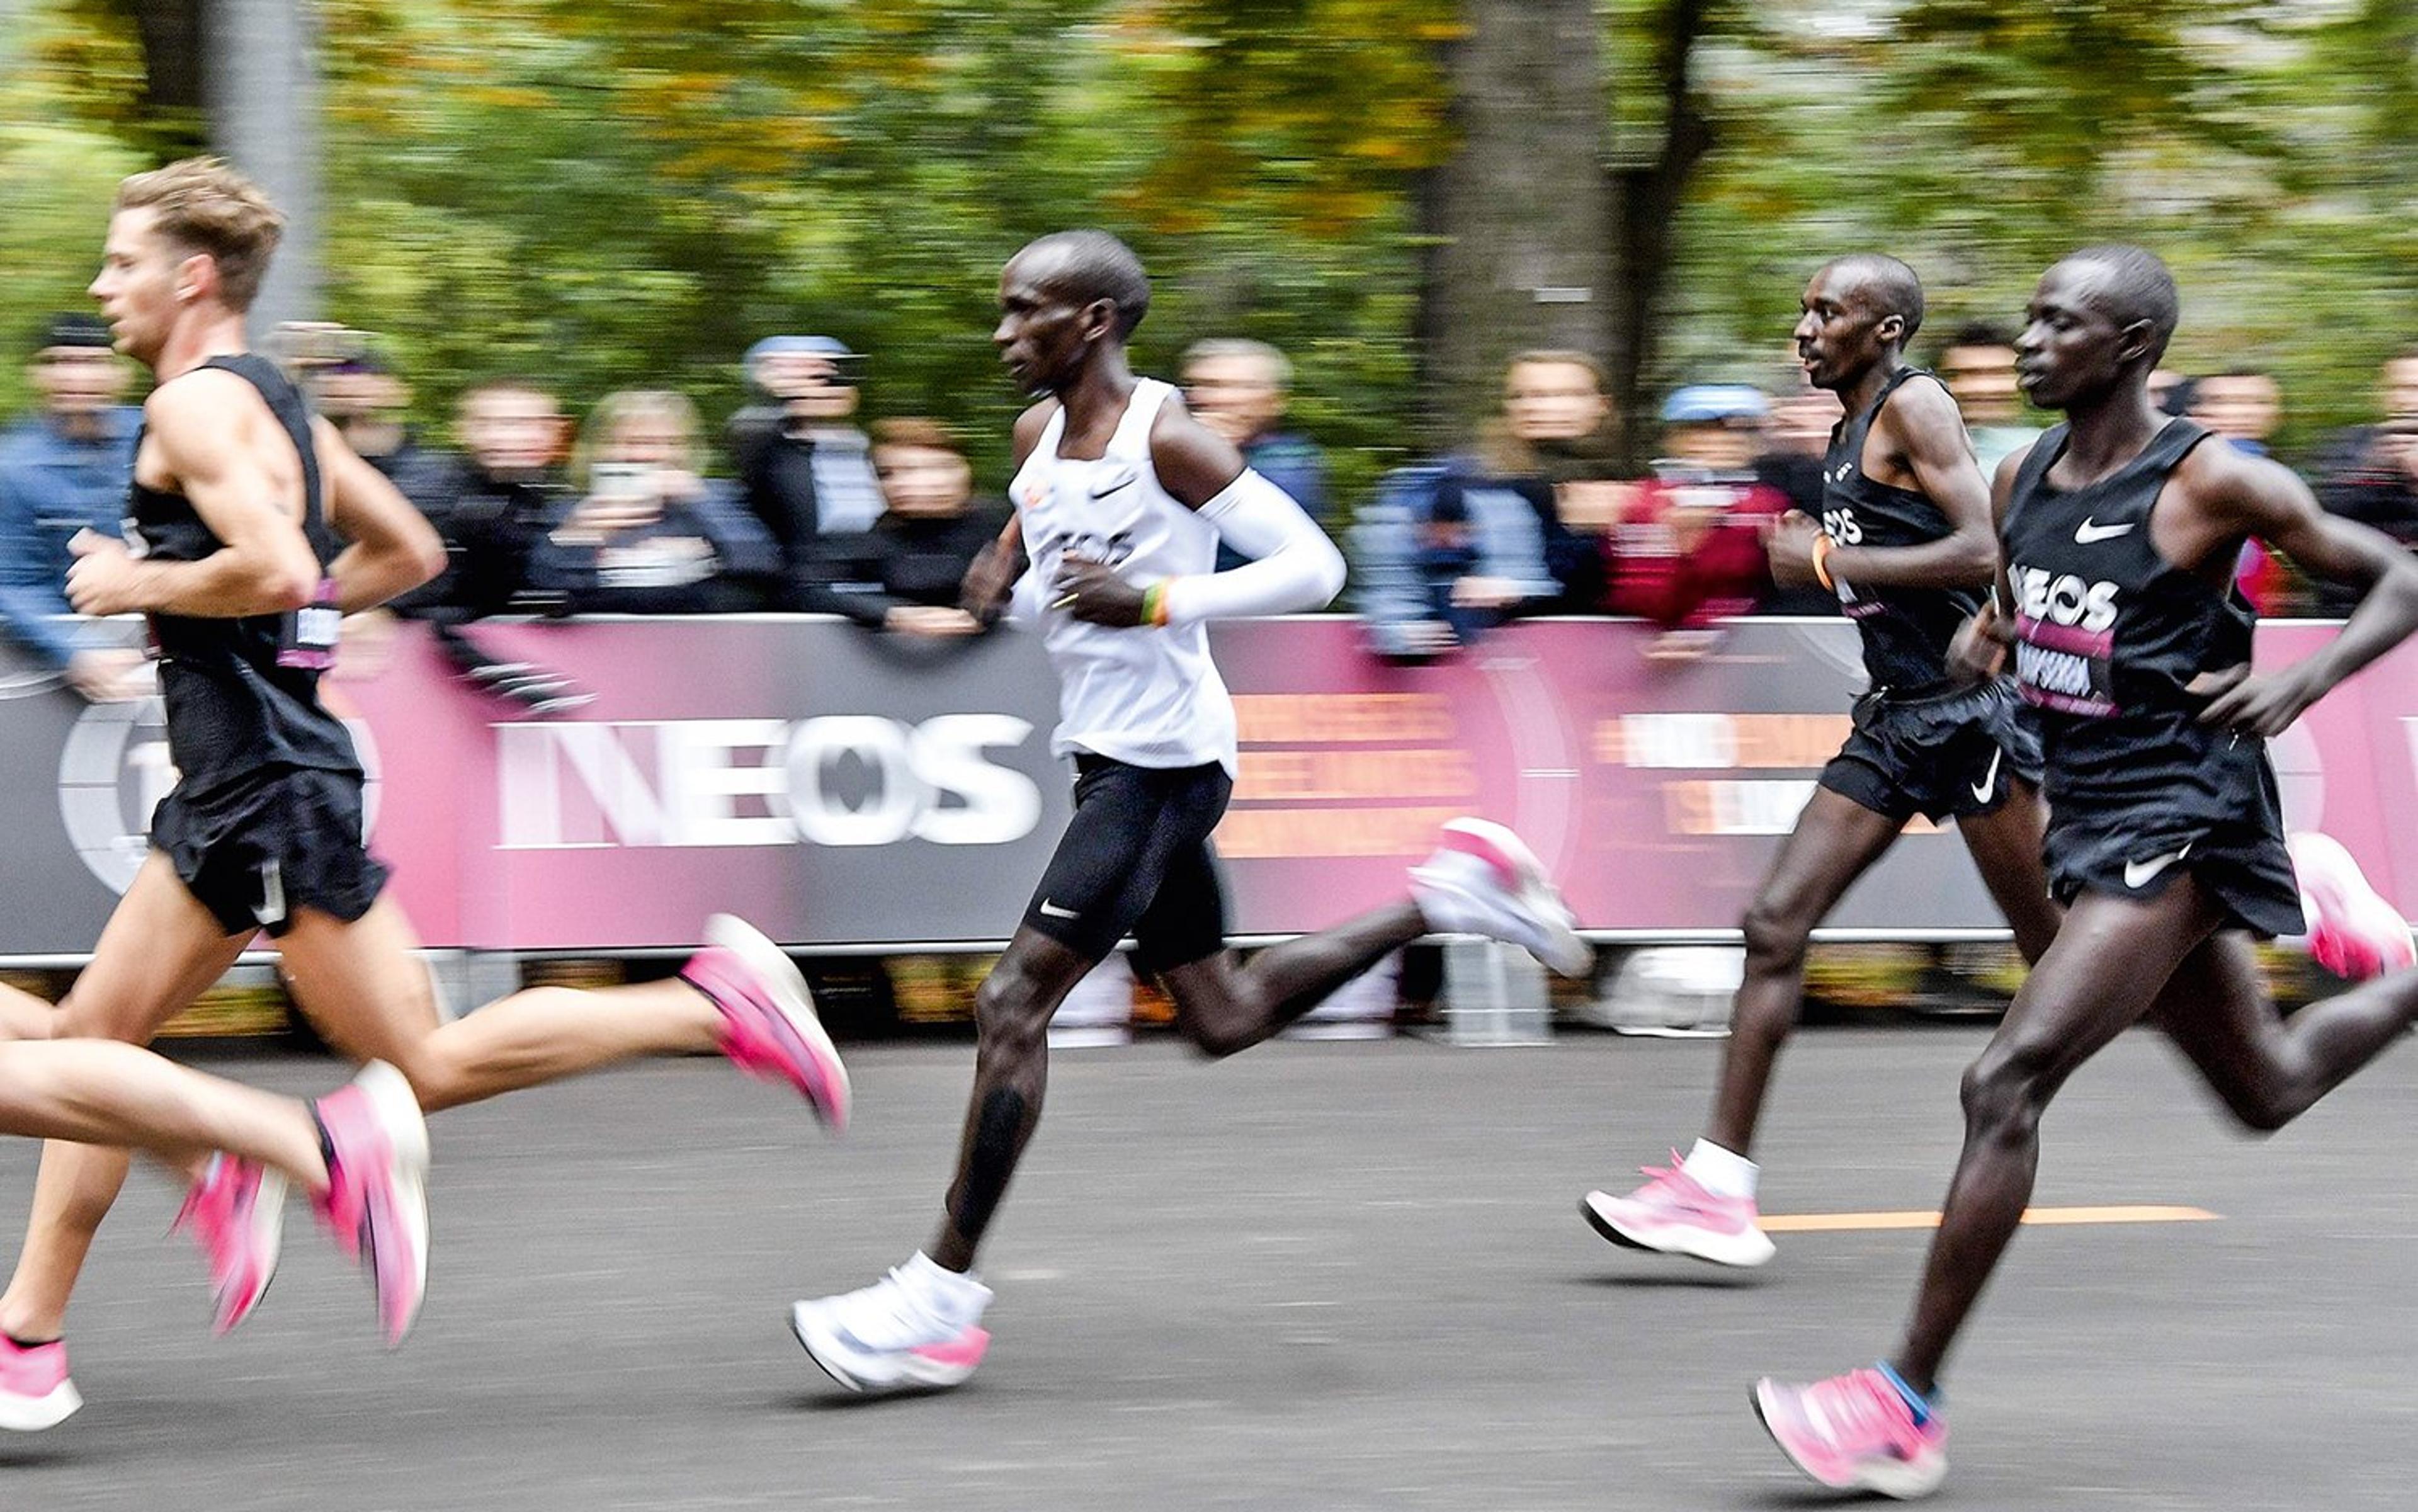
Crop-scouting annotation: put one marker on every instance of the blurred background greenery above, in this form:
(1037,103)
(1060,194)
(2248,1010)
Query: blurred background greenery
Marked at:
(608,194)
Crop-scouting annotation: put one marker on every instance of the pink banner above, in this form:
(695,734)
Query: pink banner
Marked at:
(842,792)
(850,790)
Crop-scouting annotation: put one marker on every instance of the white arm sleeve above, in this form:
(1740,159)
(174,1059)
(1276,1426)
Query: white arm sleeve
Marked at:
(1294,567)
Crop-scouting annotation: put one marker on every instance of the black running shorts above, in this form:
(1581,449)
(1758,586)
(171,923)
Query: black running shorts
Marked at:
(1954,752)
(2218,817)
(257,851)
(1135,859)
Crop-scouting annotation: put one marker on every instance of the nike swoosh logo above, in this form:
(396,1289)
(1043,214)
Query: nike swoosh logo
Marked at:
(2088,532)
(1124,481)
(1054,911)
(2138,874)
(1989,783)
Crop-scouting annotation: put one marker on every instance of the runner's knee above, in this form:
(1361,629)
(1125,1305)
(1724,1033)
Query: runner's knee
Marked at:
(1775,936)
(2005,1091)
(1011,1011)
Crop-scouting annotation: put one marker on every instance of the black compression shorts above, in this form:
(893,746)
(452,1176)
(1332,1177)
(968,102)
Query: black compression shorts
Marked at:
(1135,859)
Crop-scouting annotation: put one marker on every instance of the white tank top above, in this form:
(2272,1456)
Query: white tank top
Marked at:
(1149,696)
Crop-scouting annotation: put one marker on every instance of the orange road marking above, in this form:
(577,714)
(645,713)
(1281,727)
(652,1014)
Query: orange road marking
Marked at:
(1808,1223)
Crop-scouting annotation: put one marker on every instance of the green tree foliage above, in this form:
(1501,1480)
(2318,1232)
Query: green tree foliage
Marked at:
(608,195)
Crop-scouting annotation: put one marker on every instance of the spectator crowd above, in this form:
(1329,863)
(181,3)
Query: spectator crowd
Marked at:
(796,505)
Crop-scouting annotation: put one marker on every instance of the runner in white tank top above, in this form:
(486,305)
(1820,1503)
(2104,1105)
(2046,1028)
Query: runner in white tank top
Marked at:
(1121,499)
(1151,698)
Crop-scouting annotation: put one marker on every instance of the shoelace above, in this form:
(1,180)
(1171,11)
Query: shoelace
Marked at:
(1675,1179)
(1858,1408)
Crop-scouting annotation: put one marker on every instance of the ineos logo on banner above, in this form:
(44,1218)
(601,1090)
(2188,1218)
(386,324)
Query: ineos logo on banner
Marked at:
(835,780)
(114,769)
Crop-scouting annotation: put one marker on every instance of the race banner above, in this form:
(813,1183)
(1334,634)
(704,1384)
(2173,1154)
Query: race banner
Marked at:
(846,790)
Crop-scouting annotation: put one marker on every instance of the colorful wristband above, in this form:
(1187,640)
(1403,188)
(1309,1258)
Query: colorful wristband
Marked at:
(1154,603)
(1821,554)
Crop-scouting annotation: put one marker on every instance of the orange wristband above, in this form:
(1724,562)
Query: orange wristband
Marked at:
(1821,554)
(1154,603)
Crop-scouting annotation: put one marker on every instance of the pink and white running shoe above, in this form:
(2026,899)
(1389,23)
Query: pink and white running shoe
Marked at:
(1673,1215)
(237,1213)
(2354,932)
(35,1391)
(768,1023)
(377,1201)
(1483,880)
(1856,1432)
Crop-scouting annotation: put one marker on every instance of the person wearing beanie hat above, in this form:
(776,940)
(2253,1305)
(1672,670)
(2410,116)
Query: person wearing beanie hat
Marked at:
(63,469)
(804,467)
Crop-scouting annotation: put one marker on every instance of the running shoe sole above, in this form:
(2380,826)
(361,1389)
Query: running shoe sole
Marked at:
(916,1371)
(32,1415)
(1741,1252)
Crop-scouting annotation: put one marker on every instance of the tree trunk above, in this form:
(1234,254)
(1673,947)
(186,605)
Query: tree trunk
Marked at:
(1649,198)
(1519,214)
(261,80)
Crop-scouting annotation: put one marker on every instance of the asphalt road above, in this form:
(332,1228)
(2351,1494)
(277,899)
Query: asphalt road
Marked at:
(1328,1277)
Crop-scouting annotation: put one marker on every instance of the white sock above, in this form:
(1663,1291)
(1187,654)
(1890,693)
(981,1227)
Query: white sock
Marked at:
(1722,1172)
(954,1297)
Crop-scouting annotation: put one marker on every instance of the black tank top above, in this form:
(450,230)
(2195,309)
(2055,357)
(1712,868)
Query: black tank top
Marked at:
(1906,630)
(242,694)
(2107,632)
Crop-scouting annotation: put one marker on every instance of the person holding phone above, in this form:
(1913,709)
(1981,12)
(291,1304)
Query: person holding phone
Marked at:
(650,536)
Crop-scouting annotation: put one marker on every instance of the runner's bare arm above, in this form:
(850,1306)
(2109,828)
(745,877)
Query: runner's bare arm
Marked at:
(211,438)
(2234,495)
(990,579)
(1980,647)
(389,548)
(1921,424)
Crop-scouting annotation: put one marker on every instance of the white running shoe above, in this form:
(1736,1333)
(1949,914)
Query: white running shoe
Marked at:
(1483,880)
(884,1337)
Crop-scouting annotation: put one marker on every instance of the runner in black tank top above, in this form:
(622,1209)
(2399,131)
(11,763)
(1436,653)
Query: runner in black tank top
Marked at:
(2121,531)
(266,814)
(243,695)
(2109,639)
(1905,543)
(1906,630)
(1923,742)
(242,497)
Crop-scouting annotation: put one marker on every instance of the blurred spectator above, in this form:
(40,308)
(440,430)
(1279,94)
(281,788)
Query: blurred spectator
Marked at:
(491,506)
(2370,472)
(1796,441)
(1237,387)
(2169,391)
(2243,406)
(652,536)
(1688,548)
(1448,548)
(1493,547)
(64,469)
(1978,365)
(803,468)
(360,396)
(492,503)
(903,574)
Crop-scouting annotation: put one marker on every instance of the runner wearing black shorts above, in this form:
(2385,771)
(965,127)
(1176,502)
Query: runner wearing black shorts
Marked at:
(1905,543)
(2121,529)
(258,530)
